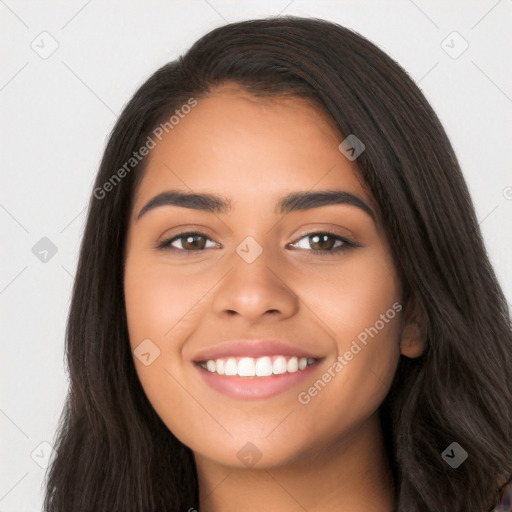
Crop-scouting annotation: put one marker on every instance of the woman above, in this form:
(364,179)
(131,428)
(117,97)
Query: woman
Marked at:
(283,300)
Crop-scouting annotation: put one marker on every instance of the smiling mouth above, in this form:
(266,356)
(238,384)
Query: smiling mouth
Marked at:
(264,366)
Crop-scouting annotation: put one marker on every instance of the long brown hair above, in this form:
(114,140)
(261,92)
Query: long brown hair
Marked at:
(113,451)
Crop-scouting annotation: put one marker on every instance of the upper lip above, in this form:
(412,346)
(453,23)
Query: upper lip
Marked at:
(251,348)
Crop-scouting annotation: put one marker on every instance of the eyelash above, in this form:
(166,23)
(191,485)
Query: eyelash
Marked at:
(346,244)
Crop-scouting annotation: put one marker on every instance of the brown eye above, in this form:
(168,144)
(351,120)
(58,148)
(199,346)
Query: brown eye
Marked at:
(187,242)
(321,242)
(324,243)
(193,242)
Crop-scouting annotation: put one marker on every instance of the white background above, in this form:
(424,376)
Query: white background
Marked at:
(57,112)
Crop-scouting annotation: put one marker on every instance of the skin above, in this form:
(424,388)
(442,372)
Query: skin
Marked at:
(327,454)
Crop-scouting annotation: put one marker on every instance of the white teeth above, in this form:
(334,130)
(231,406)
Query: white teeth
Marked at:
(246,367)
(231,367)
(279,366)
(264,367)
(293,365)
(257,367)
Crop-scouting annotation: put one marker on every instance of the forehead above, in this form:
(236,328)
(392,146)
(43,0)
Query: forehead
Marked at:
(249,148)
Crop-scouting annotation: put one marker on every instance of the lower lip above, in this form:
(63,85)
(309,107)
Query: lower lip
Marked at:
(254,388)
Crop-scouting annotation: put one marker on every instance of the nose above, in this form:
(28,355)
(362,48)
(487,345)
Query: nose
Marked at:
(254,291)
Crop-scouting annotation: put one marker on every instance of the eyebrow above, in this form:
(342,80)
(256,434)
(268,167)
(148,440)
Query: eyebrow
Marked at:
(291,202)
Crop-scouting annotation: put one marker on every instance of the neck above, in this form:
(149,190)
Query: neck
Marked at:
(345,475)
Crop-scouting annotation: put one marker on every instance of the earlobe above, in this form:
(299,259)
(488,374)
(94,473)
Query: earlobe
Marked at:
(413,339)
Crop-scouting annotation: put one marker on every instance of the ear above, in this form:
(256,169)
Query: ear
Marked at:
(413,339)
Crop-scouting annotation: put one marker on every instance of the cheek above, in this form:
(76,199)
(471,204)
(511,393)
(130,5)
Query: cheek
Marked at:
(351,296)
(359,308)
(158,298)
(160,308)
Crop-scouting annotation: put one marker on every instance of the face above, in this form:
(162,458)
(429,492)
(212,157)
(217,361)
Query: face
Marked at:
(299,299)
